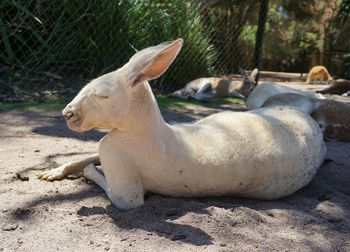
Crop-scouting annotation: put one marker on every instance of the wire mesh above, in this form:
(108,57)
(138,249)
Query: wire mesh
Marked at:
(49,47)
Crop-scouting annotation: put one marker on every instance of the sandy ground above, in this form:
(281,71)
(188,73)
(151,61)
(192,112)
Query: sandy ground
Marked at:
(74,214)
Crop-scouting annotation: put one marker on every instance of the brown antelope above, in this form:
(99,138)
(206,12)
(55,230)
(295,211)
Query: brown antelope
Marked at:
(265,154)
(205,88)
(318,74)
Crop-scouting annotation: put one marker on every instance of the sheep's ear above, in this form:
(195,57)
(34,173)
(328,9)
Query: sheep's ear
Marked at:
(153,61)
(254,74)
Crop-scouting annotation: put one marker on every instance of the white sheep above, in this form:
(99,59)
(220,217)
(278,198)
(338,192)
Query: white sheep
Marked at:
(264,154)
(332,116)
(265,90)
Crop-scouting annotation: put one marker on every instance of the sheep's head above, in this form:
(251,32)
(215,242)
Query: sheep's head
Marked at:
(106,101)
(249,82)
(182,93)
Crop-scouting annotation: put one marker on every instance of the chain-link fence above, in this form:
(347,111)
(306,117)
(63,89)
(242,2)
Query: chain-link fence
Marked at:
(305,33)
(56,46)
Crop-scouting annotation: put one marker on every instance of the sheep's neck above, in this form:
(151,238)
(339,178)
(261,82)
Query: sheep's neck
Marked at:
(144,115)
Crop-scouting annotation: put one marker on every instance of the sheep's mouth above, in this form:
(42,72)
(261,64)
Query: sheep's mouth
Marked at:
(73,121)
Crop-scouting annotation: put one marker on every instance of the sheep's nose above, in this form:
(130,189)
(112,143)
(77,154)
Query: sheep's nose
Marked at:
(68,115)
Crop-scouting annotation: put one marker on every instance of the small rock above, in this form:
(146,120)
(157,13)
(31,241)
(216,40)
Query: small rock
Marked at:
(271,214)
(334,220)
(22,213)
(223,244)
(124,239)
(22,177)
(1,249)
(178,237)
(171,213)
(107,248)
(10,227)
(36,150)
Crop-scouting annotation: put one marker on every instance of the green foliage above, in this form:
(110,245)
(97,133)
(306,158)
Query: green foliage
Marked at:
(291,36)
(86,38)
(227,19)
(167,21)
(248,35)
(308,41)
(300,10)
(164,102)
(346,71)
(344,11)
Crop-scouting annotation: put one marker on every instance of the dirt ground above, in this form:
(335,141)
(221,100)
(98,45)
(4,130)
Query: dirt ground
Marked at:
(74,214)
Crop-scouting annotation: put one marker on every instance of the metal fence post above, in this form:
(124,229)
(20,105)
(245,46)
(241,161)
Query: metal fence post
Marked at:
(260,31)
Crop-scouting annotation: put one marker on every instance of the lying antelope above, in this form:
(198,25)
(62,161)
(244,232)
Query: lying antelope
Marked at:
(264,154)
(265,90)
(205,88)
(339,87)
(333,117)
(318,74)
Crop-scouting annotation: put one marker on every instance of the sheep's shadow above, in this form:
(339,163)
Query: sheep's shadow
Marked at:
(149,217)
(158,220)
(168,217)
(161,215)
(57,126)
(52,123)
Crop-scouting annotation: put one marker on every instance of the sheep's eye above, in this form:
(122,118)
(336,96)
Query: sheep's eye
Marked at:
(102,96)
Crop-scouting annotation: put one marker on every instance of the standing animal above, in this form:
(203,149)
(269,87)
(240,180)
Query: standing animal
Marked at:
(264,154)
(333,117)
(205,88)
(318,74)
(265,90)
(339,87)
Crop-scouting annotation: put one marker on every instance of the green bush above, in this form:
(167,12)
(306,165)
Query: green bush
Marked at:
(82,39)
(346,71)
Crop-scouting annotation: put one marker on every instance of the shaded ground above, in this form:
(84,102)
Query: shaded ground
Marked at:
(75,215)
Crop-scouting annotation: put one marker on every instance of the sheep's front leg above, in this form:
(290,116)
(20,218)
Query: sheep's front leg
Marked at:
(68,168)
(123,187)
(90,172)
(236,94)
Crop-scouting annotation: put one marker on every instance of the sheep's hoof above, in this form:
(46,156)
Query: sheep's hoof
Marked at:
(90,172)
(51,175)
